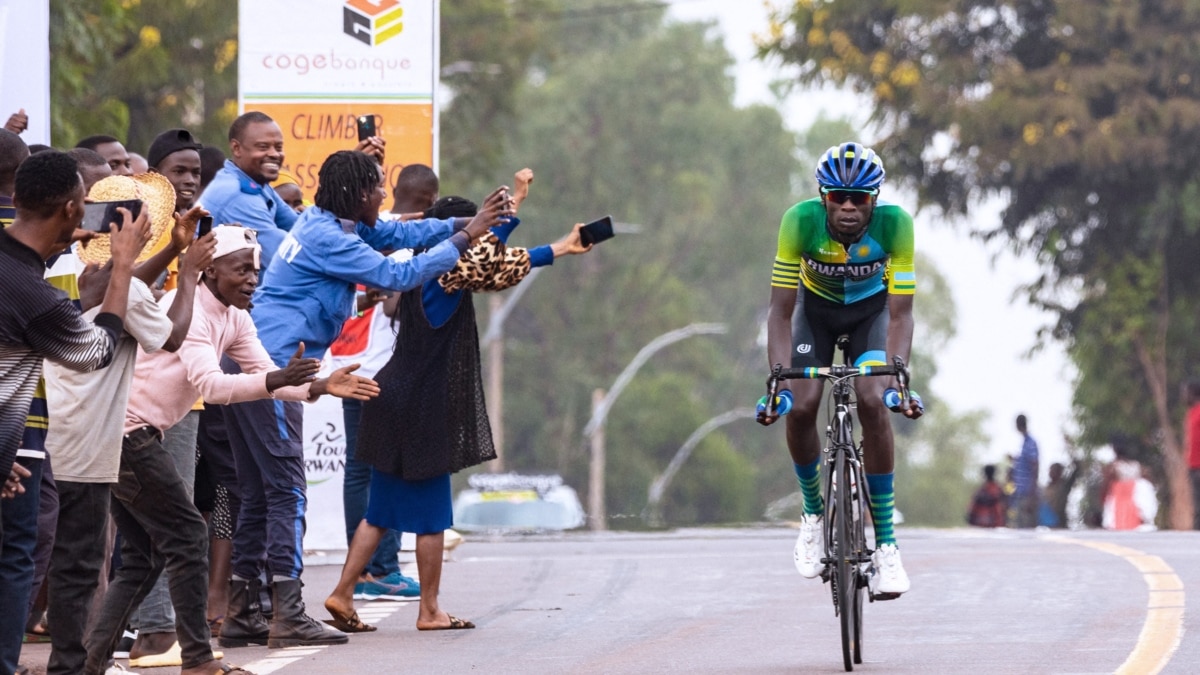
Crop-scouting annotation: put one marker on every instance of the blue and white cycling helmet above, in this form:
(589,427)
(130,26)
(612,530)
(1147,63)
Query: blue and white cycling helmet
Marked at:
(850,166)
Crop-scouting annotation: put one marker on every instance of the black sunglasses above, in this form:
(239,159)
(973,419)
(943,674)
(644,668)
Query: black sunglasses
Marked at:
(856,197)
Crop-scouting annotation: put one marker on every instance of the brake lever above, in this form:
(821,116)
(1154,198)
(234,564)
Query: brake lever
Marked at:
(773,388)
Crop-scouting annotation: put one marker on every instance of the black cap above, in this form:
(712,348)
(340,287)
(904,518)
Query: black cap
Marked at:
(171,140)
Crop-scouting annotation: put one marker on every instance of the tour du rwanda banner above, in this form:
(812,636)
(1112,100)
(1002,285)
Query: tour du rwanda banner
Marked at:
(316,66)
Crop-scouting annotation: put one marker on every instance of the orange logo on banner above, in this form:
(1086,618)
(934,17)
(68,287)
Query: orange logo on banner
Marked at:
(372,22)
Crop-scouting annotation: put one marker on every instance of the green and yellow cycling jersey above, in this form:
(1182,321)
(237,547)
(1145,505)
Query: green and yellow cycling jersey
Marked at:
(882,260)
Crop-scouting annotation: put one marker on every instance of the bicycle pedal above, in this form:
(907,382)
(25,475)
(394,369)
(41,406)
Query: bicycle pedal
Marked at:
(884,596)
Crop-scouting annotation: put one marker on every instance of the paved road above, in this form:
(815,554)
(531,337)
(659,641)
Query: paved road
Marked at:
(729,600)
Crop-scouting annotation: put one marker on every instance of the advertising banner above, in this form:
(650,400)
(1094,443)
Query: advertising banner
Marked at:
(25,65)
(315,66)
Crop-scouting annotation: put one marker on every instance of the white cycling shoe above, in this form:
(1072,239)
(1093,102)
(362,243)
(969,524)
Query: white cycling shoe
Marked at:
(890,577)
(810,546)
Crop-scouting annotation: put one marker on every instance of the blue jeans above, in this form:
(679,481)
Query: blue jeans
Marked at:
(18,538)
(267,442)
(356,484)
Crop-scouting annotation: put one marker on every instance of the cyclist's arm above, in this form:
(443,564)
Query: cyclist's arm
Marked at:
(785,283)
(779,328)
(901,283)
(900,325)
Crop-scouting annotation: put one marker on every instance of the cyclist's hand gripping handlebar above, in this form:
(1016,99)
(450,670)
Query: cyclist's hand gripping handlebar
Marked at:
(776,402)
(903,400)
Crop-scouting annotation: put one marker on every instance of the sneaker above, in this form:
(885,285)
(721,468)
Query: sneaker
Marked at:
(115,668)
(125,644)
(889,577)
(810,546)
(394,586)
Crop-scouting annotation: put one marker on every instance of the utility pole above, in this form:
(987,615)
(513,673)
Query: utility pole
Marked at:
(493,343)
(602,403)
(597,507)
(495,383)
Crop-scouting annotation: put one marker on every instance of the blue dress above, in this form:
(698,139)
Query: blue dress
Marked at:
(425,506)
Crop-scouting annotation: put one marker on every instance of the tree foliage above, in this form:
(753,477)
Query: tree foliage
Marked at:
(1085,115)
(618,111)
(134,68)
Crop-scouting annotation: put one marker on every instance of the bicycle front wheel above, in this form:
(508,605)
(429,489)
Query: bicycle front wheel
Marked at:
(846,554)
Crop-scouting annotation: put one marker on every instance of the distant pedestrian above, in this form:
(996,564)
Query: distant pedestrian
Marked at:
(1025,477)
(1193,445)
(1130,502)
(988,505)
(1052,509)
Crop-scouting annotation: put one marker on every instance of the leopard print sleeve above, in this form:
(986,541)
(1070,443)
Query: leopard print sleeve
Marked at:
(489,265)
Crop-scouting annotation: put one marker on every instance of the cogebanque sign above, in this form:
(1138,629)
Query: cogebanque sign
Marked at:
(317,65)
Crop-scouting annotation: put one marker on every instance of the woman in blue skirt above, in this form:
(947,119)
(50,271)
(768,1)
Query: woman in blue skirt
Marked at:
(429,420)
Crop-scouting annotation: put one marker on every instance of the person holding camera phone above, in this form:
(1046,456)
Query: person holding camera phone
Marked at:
(442,415)
(335,246)
(48,199)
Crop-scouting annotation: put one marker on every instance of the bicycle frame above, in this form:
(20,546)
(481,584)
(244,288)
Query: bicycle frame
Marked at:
(847,558)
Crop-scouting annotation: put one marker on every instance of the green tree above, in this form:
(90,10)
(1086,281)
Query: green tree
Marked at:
(133,68)
(1085,115)
(642,125)
(82,36)
(487,50)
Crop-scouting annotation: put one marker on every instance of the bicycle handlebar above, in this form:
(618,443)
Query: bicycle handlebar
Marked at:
(834,372)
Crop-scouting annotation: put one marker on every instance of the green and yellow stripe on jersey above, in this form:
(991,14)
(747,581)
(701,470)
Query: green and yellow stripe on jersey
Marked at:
(882,260)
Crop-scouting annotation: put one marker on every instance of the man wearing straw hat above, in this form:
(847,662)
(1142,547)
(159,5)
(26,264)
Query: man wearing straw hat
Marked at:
(161,526)
(38,322)
(85,438)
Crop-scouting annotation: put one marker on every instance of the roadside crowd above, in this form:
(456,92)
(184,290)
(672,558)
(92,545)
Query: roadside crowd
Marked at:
(153,373)
(1114,495)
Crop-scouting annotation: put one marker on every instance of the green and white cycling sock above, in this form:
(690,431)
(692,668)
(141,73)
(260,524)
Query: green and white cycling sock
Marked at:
(810,486)
(883,503)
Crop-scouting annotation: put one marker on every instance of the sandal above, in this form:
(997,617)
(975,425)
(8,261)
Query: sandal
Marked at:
(230,668)
(455,624)
(348,623)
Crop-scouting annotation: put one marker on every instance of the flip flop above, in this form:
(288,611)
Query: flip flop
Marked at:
(348,623)
(455,624)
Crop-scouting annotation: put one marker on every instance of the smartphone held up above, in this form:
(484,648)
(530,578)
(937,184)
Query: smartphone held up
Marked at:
(597,231)
(102,217)
(366,127)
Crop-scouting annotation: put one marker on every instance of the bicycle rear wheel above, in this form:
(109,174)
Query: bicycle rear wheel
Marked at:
(848,588)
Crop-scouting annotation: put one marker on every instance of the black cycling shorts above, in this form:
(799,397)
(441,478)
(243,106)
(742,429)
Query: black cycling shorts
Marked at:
(818,322)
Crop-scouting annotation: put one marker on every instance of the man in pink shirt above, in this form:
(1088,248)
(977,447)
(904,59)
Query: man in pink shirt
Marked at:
(160,525)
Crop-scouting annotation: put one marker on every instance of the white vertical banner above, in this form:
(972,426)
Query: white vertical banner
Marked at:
(324,468)
(25,65)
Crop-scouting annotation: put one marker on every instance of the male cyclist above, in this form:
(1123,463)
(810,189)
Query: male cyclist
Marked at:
(853,254)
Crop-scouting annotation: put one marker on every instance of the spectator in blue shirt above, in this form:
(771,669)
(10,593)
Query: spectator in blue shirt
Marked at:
(307,293)
(1025,477)
(241,193)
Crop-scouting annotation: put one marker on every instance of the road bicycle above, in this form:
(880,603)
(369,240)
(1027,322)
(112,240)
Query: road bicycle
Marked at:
(848,566)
